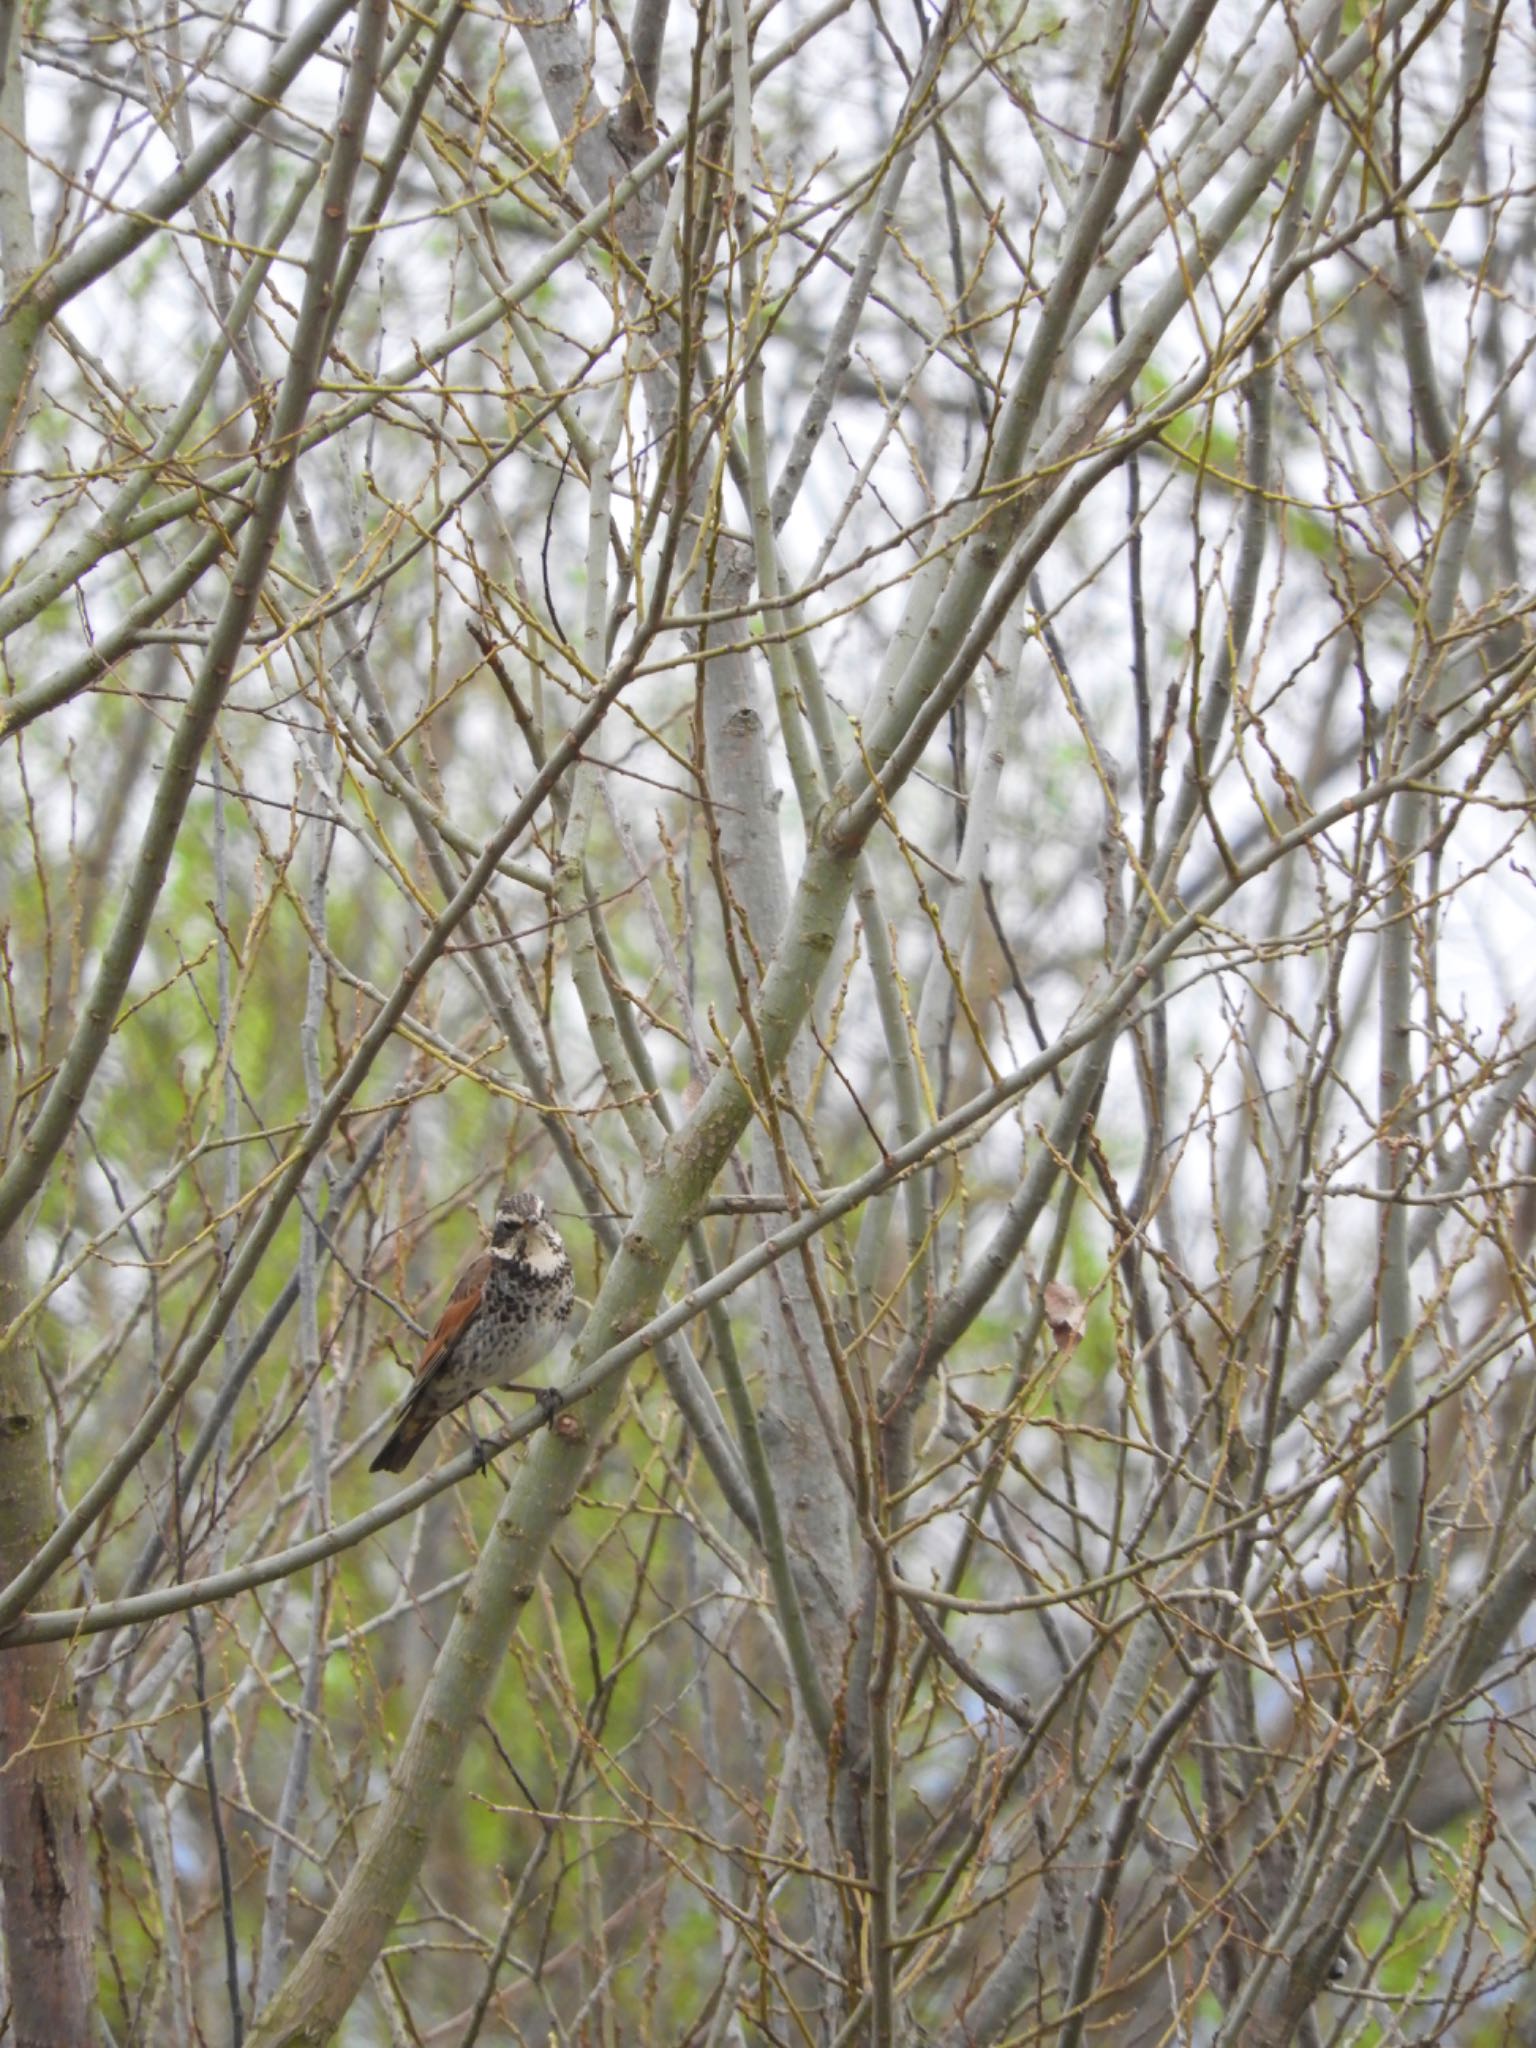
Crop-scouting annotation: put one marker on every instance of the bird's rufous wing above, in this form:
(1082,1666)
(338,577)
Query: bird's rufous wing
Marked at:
(462,1303)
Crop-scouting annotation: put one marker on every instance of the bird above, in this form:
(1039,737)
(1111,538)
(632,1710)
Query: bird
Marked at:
(506,1310)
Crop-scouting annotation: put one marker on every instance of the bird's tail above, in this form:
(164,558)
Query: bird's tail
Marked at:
(403,1441)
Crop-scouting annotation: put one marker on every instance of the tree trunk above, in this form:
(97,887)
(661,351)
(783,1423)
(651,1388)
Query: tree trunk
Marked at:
(43,1869)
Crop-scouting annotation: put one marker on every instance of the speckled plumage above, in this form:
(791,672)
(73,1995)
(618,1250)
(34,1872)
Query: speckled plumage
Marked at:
(506,1310)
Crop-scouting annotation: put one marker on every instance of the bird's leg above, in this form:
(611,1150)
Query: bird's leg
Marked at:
(481,1448)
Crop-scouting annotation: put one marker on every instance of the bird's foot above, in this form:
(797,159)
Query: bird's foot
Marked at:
(551,1401)
(479,1447)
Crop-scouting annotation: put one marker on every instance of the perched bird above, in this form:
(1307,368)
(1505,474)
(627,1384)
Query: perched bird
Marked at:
(507,1309)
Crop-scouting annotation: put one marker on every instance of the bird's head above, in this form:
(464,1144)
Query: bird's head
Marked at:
(518,1213)
(523,1235)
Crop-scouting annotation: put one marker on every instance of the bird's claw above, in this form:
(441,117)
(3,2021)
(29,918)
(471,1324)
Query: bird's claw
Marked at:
(479,1449)
(550,1401)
